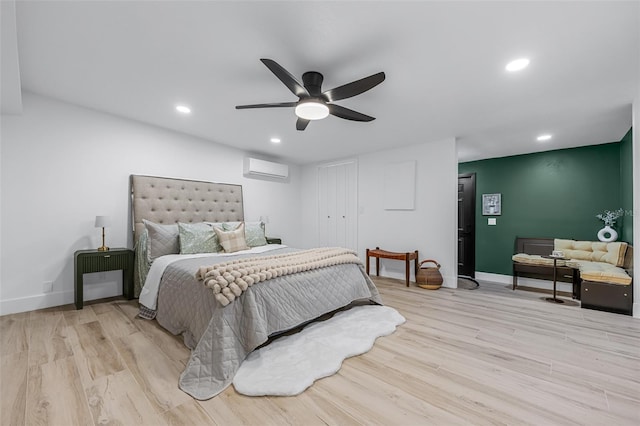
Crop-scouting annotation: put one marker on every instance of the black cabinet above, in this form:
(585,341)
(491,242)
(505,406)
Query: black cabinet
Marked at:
(87,261)
(607,297)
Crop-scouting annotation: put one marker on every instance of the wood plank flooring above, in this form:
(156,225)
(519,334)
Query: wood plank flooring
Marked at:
(485,356)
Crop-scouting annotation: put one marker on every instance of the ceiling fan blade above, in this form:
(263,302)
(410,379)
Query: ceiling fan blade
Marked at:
(301,124)
(348,114)
(289,80)
(354,88)
(277,105)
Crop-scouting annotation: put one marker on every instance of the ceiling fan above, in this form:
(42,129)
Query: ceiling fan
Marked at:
(313,104)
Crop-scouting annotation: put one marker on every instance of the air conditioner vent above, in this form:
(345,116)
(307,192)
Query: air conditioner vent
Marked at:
(254,167)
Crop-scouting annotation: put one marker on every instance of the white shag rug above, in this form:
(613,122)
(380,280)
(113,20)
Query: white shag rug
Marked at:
(290,364)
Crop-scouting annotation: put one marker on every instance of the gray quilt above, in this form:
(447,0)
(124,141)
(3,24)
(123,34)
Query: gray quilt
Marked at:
(221,337)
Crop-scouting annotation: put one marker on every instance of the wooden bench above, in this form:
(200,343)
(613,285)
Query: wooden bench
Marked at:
(543,247)
(383,254)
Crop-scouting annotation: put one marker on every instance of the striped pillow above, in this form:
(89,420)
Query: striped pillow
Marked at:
(232,241)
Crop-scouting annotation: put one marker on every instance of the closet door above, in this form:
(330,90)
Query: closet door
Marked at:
(351,205)
(328,207)
(338,194)
(323,210)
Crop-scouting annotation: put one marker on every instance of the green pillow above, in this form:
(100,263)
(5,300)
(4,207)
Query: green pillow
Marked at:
(253,232)
(198,238)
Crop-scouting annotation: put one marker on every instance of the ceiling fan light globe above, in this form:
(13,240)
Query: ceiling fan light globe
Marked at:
(312,110)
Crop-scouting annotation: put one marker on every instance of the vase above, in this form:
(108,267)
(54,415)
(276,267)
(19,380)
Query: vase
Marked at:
(607,234)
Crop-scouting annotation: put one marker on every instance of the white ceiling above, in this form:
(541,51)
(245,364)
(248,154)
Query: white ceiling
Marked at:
(444,63)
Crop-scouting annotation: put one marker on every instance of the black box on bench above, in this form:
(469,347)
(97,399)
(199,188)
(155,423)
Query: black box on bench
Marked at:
(607,297)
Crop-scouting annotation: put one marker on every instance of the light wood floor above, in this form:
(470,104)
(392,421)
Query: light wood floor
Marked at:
(485,356)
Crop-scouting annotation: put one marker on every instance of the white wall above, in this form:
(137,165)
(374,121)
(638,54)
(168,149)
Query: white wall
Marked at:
(61,165)
(636,203)
(430,228)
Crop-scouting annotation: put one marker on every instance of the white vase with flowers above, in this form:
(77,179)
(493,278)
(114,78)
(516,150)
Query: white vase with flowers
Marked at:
(608,234)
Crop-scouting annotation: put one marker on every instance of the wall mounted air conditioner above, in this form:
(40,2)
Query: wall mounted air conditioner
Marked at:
(256,168)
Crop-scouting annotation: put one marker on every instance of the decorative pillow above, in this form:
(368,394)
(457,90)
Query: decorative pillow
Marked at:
(594,251)
(142,264)
(232,241)
(198,238)
(601,272)
(253,232)
(162,239)
(216,224)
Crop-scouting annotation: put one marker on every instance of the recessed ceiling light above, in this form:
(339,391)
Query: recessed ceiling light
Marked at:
(517,65)
(275,140)
(183,109)
(543,138)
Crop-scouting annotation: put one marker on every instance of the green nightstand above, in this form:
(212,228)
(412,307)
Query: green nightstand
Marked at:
(274,240)
(87,261)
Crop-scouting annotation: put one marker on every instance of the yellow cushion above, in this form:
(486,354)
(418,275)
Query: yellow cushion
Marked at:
(600,272)
(535,259)
(594,251)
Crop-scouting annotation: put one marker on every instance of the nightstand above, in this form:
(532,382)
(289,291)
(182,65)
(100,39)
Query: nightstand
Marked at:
(87,261)
(274,240)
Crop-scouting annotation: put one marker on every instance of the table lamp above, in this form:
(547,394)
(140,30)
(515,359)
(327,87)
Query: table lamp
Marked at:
(102,222)
(264,220)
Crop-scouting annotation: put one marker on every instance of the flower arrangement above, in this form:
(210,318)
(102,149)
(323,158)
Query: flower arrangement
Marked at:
(609,217)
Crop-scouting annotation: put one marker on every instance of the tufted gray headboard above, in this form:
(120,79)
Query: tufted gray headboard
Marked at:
(169,200)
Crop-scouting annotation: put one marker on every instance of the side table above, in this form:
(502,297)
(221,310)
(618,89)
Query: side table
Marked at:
(87,261)
(554,299)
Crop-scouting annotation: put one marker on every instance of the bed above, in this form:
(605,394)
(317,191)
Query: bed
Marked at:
(222,335)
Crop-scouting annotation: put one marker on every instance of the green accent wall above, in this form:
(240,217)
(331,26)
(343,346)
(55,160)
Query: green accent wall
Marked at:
(552,194)
(625,223)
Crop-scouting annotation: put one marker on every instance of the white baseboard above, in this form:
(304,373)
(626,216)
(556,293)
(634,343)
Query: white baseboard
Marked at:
(636,310)
(447,281)
(527,282)
(59,298)
(33,303)
(495,278)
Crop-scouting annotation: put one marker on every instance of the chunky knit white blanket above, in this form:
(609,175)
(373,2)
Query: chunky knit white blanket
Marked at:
(229,280)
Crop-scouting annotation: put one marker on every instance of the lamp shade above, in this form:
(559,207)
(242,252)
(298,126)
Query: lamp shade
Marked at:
(312,110)
(103,221)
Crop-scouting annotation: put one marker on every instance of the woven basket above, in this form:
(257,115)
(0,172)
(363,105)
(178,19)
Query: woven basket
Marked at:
(429,277)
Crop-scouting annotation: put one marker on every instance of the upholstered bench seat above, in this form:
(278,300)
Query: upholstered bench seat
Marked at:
(535,259)
(593,251)
(530,261)
(600,272)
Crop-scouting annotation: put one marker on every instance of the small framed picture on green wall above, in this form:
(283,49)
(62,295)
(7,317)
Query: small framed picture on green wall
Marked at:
(491,204)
